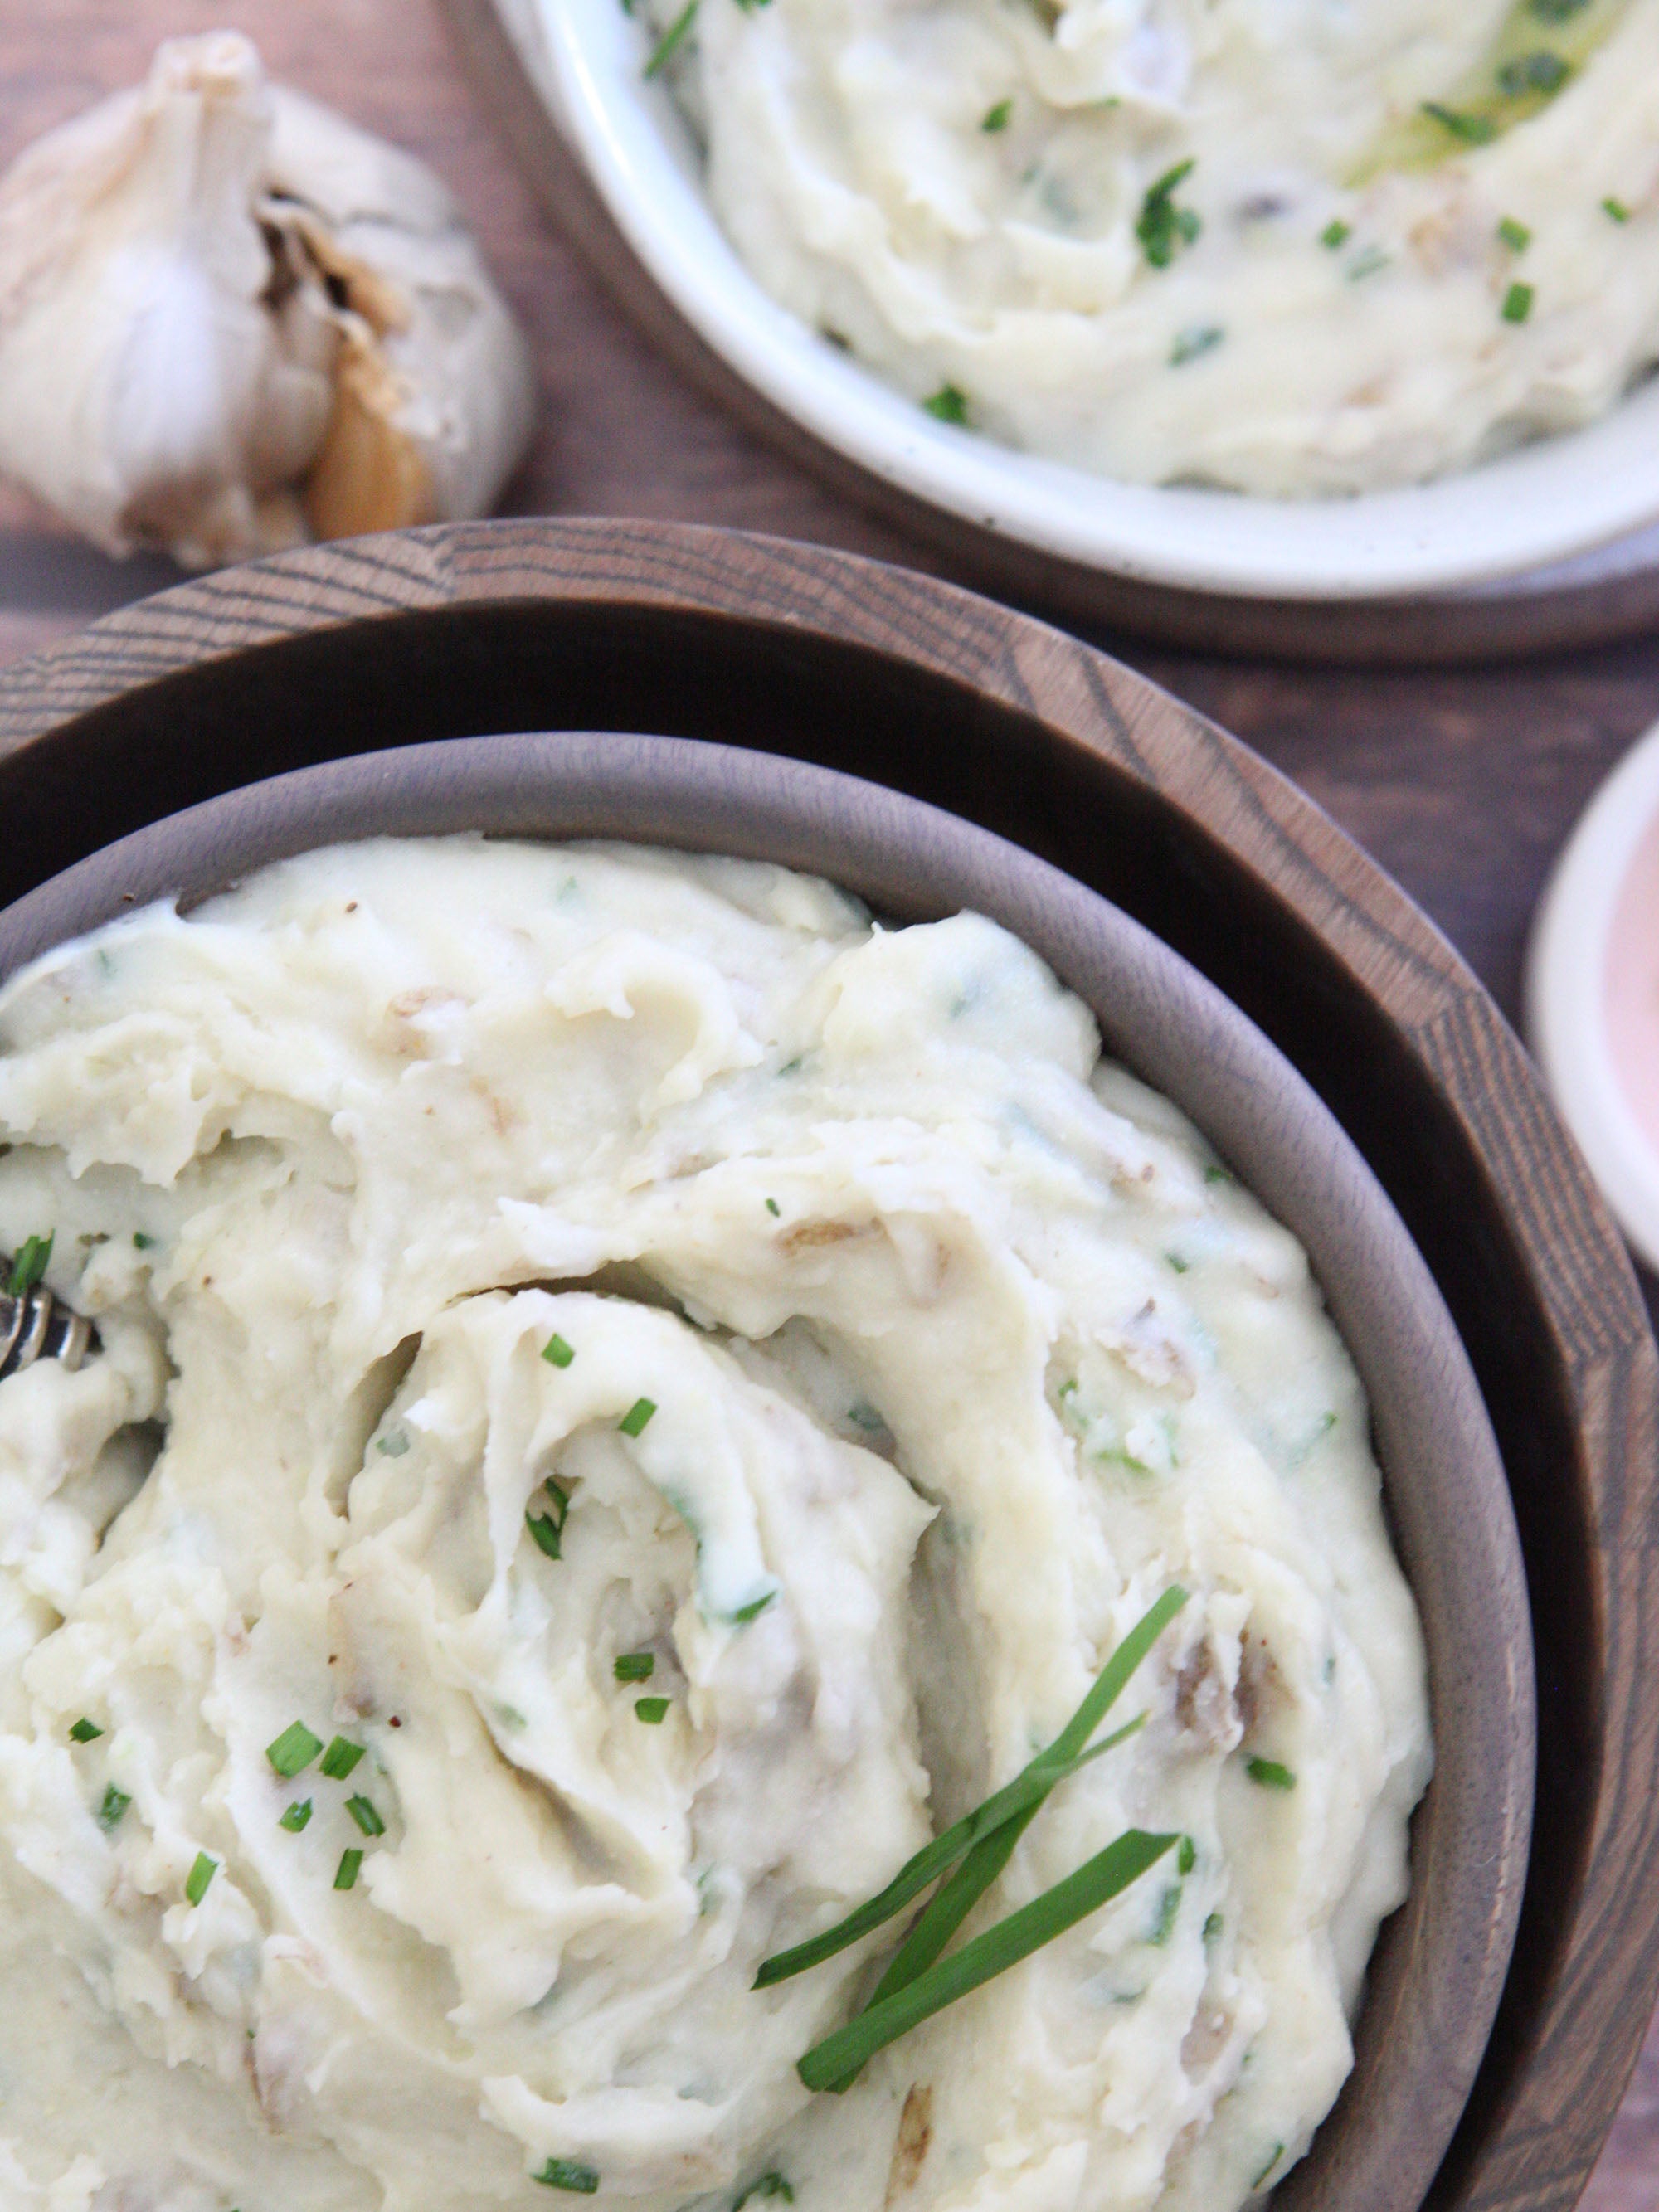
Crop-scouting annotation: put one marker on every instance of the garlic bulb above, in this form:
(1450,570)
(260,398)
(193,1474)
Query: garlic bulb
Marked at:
(231,321)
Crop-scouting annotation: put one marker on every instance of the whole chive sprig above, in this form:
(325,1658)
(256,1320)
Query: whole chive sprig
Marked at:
(835,2061)
(1016,1800)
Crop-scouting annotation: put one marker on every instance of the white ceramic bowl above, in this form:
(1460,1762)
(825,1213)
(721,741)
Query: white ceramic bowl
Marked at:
(1535,507)
(1592,990)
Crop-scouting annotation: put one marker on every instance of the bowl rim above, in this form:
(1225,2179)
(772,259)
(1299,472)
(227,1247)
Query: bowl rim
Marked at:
(1565,1006)
(1530,510)
(1380,2147)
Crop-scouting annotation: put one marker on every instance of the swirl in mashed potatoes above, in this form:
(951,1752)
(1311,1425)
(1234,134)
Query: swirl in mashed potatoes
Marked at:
(627,1397)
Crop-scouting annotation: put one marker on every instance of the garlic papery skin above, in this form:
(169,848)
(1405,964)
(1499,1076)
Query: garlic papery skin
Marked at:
(231,321)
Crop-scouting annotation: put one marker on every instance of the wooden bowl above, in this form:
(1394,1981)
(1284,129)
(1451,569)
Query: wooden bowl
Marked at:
(478,628)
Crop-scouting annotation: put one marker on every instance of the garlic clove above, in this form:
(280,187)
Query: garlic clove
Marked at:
(230,319)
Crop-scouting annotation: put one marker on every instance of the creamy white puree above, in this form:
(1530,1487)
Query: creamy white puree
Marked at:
(958,190)
(962,1348)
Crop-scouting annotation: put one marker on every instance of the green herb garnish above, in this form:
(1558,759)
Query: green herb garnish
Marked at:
(197,1881)
(756,1606)
(294,1750)
(1012,1807)
(1270,1774)
(1473,129)
(85,1731)
(1174,1260)
(773,1208)
(1616,210)
(1186,1856)
(1169,1912)
(948,404)
(1191,345)
(1367,264)
(833,2062)
(567,2174)
(1537,72)
(1213,1927)
(1335,234)
(1514,235)
(1557,11)
(1273,2157)
(633,1421)
(1163,227)
(140,1242)
(556,1352)
(115,1802)
(651,1710)
(997,119)
(1517,303)
(30,1265)
(340,1759)
(298,1814)
(633,1665)
(1214,1174)
(345,1875)
(548,1528)
(673,39)
(769,2184)
(363,1813)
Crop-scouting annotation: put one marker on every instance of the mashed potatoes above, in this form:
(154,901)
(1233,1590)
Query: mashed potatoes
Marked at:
(1275,245)
(626,1398)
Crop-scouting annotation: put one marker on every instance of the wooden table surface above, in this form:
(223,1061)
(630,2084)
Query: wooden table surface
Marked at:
(1462,783)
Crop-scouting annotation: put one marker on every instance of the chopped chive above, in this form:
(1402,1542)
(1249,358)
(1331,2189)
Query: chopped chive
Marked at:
(546,1532)
(769,2184)
(1335,234)
(1169,1912)
(633,1421)
(865,1416)
(1163,227)
(1213,1927)
(567,2174)
(294,1749)
(1270,1774)
(340,1759)
(833,2064)
(1367,264)
(651,1710)
(85,1731)
(363,1813)
(1557,11)
(1186,1856)
(997,119)
(1214,1174)
(1273,2157)
(345,1875)
(633,1665)
(1473,129)
(195,1882)
(1192,345)
(1174,1260)
(1616,210)
(1514,235)
(773,1208)
(140,1242)
(30,1265)
(394,1444)
(1016,1802)
(1517,303)
(671,39)
(1535,72)
(115,1802)
(298,1814)
(756,1606)
(948,404)
(556,1352)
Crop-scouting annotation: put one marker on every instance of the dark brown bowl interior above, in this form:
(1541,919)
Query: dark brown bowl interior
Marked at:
(477,628)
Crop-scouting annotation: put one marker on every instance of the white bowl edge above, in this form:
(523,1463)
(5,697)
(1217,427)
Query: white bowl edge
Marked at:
(1565,1000)
(1533,508)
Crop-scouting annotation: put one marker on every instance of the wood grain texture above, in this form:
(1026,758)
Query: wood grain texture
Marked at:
(1611,594)
(457,631)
